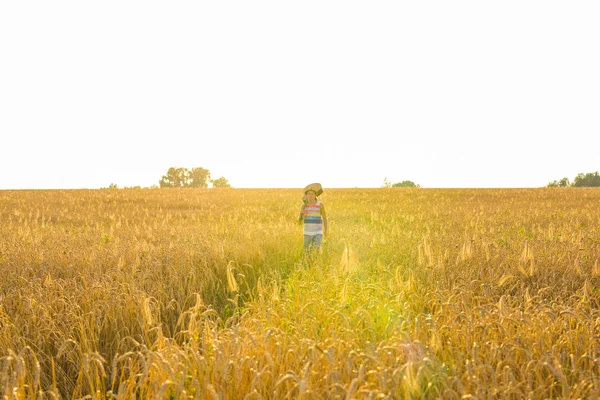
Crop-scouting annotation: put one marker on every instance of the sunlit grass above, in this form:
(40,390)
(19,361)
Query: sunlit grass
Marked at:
(206,294)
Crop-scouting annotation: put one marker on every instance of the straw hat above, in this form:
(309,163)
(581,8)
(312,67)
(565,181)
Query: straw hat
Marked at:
(315,187)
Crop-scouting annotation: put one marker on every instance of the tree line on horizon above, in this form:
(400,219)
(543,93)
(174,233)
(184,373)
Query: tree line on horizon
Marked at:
(591,179)
(199,177)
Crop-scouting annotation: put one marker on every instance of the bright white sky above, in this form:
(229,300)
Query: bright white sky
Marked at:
(282,94)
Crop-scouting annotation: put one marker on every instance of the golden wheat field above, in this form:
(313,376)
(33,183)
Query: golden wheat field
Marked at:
(206,294)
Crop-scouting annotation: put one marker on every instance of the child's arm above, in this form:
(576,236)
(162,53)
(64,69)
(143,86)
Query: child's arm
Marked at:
(324,218)
(301,216)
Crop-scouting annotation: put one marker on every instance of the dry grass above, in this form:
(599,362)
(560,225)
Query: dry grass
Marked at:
(205,294)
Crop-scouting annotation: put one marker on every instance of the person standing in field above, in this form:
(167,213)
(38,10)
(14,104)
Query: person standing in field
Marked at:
(314,216)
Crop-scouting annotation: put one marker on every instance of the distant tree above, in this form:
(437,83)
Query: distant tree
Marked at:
(185,178)
(386,183)
(113,186)
(175,178)
(220,183)
(198,178)
(564,182)
(406,184)
(587,180)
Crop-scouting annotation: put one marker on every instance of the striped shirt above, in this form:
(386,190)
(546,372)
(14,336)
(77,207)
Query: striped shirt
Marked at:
(313,223)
